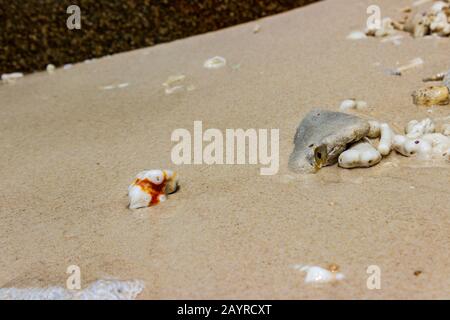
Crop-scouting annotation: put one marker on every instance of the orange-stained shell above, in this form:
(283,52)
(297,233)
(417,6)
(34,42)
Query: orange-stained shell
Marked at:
(151,187)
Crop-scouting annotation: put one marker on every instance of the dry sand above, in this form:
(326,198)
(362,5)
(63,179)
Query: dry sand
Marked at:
(68,151)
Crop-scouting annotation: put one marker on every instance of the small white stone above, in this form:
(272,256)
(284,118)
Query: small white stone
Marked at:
(215,63)
(50,68)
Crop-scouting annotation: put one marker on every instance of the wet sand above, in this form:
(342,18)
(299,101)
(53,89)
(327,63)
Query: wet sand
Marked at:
(68,151)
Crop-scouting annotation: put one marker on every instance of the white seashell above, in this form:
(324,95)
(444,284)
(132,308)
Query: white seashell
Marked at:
(315,274)
(151,187)
(215,63)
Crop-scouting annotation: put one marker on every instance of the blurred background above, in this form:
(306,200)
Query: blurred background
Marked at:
(34,33)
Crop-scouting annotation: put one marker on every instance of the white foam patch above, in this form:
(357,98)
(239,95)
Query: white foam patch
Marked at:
(104,289)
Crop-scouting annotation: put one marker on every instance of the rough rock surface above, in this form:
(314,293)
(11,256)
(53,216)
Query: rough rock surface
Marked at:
(322,136)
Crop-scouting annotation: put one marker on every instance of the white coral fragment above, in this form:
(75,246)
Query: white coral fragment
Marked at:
(415,128)
(374,129)
(385,145)
(360,155)
(385,29)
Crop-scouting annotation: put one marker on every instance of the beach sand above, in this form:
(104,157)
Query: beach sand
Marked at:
(69,150)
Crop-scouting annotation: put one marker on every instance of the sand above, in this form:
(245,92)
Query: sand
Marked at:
(68,151)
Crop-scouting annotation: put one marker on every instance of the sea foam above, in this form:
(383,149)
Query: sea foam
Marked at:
(104,289)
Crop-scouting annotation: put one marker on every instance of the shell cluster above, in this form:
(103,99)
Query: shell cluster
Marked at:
(151,187)
(434,21)
(324,137)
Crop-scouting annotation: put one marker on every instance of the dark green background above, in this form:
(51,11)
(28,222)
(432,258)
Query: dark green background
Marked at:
(33,33)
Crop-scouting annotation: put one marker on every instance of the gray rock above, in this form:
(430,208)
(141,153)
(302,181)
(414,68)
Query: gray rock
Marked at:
(322,136)
(447,80)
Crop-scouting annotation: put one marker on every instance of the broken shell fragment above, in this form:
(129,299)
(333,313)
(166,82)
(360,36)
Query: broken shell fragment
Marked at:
(215,63)
(322,136)
(360,155)
(431,96)
(151,187)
